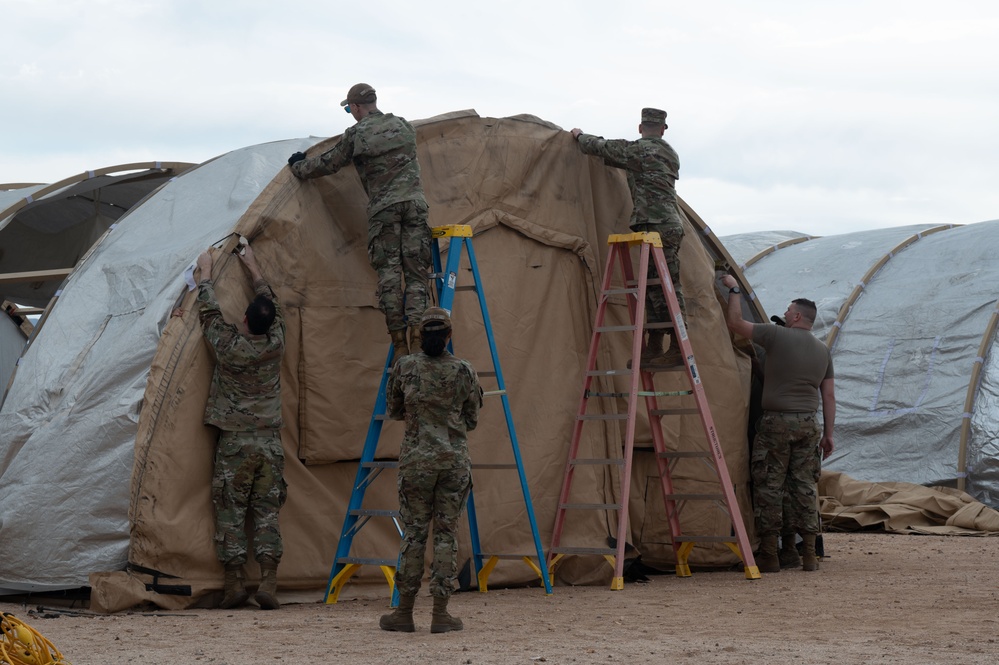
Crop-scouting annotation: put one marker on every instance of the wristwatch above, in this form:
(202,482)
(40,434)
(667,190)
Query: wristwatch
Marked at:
(735,289)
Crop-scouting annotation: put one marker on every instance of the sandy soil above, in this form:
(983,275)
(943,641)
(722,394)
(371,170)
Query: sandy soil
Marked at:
(877,598)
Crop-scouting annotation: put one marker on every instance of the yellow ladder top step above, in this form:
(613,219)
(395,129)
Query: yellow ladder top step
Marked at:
(650,237)
(451,230)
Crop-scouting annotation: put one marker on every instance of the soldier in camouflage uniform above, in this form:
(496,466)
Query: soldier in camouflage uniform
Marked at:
(439,397)
(245,404)
(382,148)
(652,167)
(785,464)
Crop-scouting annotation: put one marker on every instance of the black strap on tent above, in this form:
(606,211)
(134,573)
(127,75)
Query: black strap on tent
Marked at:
(155,586)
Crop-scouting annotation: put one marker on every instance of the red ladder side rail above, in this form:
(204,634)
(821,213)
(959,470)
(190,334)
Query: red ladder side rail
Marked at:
(577,428)
(742,547)
(636,312)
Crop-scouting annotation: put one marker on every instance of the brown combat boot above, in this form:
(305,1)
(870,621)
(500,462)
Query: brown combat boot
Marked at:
(441,621)
(809,559)
(399,344)
(656,358)
(789,557)
(415,339)
(653,348)
(266,595)
(235,593)
(401,619)
(767,560)
(672,357)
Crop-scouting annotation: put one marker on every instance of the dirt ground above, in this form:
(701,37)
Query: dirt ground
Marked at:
(877,598)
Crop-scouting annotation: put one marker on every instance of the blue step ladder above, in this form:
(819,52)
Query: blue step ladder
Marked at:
(369,468)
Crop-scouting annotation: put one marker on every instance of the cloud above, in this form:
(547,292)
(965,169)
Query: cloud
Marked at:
(848,115)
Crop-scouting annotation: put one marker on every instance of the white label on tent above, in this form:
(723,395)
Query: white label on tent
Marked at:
(189,275)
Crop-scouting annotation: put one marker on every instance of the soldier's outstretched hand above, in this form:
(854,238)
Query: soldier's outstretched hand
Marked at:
(250,261)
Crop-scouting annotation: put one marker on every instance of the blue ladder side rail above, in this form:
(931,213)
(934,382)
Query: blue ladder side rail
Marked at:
(446,282)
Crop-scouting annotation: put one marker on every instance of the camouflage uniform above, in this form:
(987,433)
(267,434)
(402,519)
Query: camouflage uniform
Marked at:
(786,460)
(382,148)
(245,403)
(785,469)
(652,167)
(439,398)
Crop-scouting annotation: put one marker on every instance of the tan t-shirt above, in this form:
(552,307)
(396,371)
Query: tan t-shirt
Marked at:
(797,362)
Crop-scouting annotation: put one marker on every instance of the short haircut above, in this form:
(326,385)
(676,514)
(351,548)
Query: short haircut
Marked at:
(806,307)
(260,315)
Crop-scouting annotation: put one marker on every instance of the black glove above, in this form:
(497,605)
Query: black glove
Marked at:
(297,157)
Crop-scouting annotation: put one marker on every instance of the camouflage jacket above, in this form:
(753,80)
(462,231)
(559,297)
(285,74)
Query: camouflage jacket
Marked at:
(246,385)
(439,398)
(383,149)
(652,167)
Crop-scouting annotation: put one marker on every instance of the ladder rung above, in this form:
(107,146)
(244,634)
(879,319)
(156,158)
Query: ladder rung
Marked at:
(621,292)
(604,329)
(590,506)
(660,368)
(583,550)
(685,454)
(465,288)
(675,412)
(493,393)
(510,465)
(367,562)
(609,372)
(511,557)
(370,512)
(705,539)
(696,497)
(652,393)
(599,461)
(381,465)
(609,416)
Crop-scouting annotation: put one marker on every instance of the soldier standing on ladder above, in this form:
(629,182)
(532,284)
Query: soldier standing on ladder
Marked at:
(653,168)
(382,148)
(785,465)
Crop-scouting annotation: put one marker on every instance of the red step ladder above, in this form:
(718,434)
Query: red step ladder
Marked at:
(642,385)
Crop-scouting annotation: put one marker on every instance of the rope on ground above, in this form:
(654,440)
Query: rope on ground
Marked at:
(20,644)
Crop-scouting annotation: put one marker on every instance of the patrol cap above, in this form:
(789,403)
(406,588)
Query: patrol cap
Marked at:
(654,116)
(360,93)
(435,318)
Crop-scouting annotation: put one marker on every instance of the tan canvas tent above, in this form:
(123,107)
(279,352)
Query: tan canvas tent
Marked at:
(132,381)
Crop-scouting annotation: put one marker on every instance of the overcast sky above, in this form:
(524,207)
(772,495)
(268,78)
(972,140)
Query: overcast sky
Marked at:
(816,117)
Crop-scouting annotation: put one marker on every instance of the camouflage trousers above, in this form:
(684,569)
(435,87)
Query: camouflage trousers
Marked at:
(785,467)
(399,252)
(671,235)
(424,496)
(248,482)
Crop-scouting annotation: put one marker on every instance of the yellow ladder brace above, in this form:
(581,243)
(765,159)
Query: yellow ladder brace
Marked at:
(341,579)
